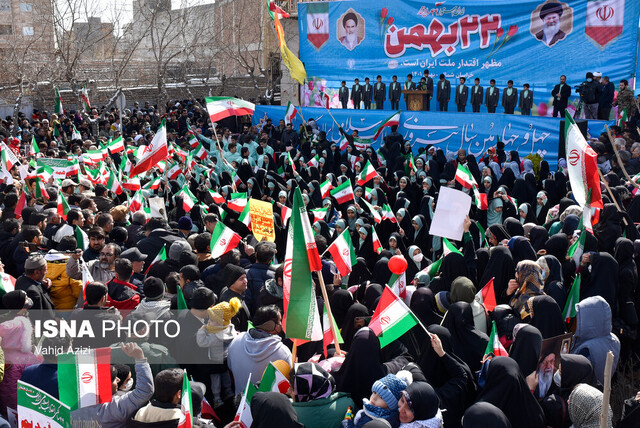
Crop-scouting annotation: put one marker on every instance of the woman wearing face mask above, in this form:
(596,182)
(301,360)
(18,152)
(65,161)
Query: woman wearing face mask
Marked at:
(416,262)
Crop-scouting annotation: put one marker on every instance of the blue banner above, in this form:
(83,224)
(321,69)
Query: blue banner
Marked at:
(532,41)
(475,132)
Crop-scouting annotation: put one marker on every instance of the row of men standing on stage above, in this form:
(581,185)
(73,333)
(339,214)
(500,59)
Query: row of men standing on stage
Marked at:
(476,94)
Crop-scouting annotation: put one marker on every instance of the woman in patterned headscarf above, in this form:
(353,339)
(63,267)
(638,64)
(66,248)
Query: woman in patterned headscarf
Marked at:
(317,402)
(527,284)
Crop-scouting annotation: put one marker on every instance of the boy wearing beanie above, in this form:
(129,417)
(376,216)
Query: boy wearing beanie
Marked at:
(381,406)
(216,335)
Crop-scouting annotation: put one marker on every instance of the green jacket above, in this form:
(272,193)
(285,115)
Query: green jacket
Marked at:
(325,412)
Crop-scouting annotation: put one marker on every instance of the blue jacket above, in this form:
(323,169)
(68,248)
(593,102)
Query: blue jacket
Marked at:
(606,96)
(257,275)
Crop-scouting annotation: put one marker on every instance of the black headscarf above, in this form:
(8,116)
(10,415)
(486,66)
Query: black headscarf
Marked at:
(506,389)
(484,415)
(608,228)
(499,231)
(521,249)
(502,269)
(372,295)
(514,227)
(538,235)
(453,266)
(341,300)
(362,366)
(547,316)
(273,409)
(468,342)
(423,304)
(424,400)
(526,348)
(576,369)
(557,246)
(482,258)
(348,329)
(603,279)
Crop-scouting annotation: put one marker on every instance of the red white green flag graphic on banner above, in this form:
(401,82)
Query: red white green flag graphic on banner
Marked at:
(318,24)
(36,408)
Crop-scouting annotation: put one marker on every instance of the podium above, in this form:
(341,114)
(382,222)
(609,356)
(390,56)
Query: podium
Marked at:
(414,99)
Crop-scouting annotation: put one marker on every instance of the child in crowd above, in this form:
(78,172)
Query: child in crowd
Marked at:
(382,405)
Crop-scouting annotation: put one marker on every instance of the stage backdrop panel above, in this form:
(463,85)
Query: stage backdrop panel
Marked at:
(499,39)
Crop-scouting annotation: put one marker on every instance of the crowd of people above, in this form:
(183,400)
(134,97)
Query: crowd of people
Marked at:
(437,374)
(597,93)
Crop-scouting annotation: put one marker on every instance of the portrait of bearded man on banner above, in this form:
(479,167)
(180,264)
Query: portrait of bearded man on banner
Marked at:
(551,22)
(350,29)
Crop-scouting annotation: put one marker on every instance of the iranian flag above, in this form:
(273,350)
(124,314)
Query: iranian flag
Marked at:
(342,252)
(343,193)
(301,319)
(245,216)
(155,152)
(34,149)
(387,214)
(582,165)
(217,197)
(572,299)
(136,202)
(328,338)
(58,108)
(41,191)
(243,414)
(75,134)
(84,379)
(622,117)
(221,107)
(285,214)
(237,202)
(325,189)
(193,140)
(188,199)
(22,202)
(186,420)
(392,318)
(487,296)
(377,246)
(368,173)
(394,119)
(577,248)
(290,113)
(448,247)
(605,20)
(317,24)
(398,284)
(9,159)
(82,240)
(494,346)
(319,213)
(223,240)
(313,161)
(36,408)
(374,213)
(174,171)
(343,143)
(161,256)
(63,206)
(237,181)
(132,184)
(113,184)
(86,279)
(7,283)
(116,146)
(481,199)
(434,268)
(464,177)
(84,94)
(153,184)
(93,157)
(200,152)
(273,380)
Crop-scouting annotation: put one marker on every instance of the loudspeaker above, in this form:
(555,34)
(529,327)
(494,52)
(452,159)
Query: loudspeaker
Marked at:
(582,126)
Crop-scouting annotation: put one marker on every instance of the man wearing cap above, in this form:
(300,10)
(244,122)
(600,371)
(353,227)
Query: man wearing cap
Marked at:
(154,304)
(184,226)
(235,281)
(137,260)
(36,285)
(550,14)
(86,188)
(68,187)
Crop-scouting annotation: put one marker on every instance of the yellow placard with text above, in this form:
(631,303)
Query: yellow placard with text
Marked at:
(262,226)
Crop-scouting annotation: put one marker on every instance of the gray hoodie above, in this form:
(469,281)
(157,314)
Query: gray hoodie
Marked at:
(251,352)
(593,337)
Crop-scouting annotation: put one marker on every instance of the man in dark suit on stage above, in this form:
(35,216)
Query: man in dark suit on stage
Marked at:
(343,94)
(492,96)
(476,96)
(394,93)
(409,86)
(443,94)
(426,99)
(561,93)
(356,93)
(462,94)
(509,98)
(526,100)
(367,94)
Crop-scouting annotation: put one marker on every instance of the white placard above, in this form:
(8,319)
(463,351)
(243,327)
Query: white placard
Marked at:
(451,210)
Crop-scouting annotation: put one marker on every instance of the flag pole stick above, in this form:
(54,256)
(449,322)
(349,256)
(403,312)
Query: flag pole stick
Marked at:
(294,352)
(334,119)
(615,201)
(604,416)
(615,150)
(304,122)
(328,308)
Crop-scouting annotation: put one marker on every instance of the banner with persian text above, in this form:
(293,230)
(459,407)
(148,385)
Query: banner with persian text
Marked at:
(531,41)
(475,132)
